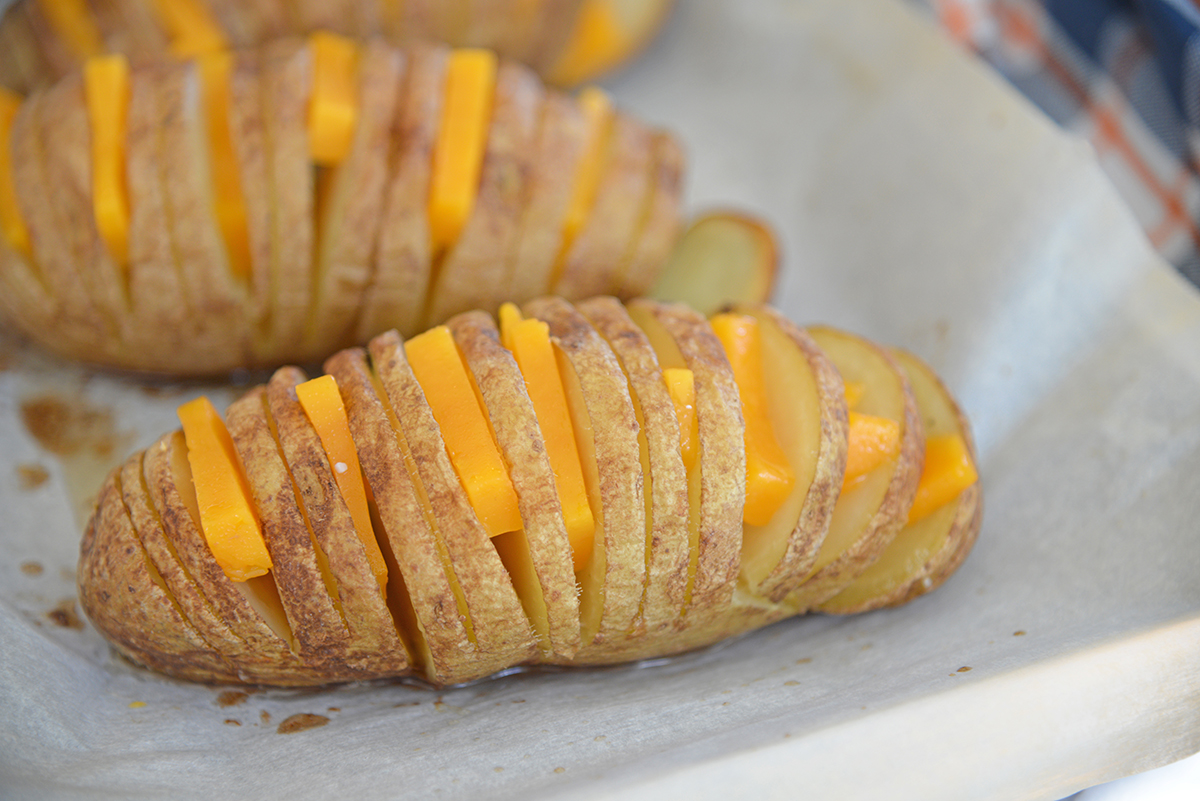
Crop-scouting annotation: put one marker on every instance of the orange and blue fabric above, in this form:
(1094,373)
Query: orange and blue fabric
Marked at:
(1125,74)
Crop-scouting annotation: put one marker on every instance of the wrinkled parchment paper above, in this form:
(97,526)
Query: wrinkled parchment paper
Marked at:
(920,202)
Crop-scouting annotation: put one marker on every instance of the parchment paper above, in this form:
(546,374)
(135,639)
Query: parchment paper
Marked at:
(920,202)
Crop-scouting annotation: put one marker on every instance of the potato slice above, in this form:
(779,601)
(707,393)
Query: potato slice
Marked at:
(248,134)
(58,54)
(539,557)
(424,596)
(158,300)
(286,79)
(22,67)
(64,134)
(471,276)
(124,595)
(662,226)
(395,297)
(503,635)
(869,514)
(606,433)
(588,267)
(927,551)
(717,482)
(667,547)
(218,330)
(551,32)
(315,619)
(130,27)
(190,599)
(350,205)
(251,609)
(373,643)
(249,23)
(559,146)
(722,258)
(807,409)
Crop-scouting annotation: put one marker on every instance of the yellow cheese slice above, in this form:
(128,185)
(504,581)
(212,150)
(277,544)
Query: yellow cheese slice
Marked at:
(598,115)
(948,470)
(227,516)
(229,204)
(193,31)
(462,137)
(106,84)
(323,404)
(452,396)
(12,224)
(769,477)
(333,104)
(72,20)
(529,342)
(681,385)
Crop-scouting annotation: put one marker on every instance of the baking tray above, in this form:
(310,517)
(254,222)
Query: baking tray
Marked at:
(919,201)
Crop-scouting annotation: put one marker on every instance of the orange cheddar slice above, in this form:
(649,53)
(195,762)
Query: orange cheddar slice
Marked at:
(191,28)
(12,224)
(769,477)
(870,442)
(598,114)
(227,517)
(106,83)
(529,342)
(228,201)
(323,404)
(461,139)
(948,470)
(681,385)
(333,104)
(451,393)
(72,20)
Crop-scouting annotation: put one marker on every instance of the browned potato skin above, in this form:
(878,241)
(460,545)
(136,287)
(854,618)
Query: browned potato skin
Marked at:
(148,582)
(333,260)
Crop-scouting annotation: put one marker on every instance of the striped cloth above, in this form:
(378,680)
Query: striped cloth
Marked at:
(1125,74)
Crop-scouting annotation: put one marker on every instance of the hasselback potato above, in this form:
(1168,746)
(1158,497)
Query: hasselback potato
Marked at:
(567,41)
(268,206)
(569,484)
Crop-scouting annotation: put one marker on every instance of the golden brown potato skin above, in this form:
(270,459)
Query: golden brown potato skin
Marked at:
(32,54)
(453,612)
(337,254)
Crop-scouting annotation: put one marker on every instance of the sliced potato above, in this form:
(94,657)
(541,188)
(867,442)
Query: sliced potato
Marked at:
(350,205)
(396,295)
(661,227)
(717,482)
(666,488)
(927,551)
(588,267)
(606,431)
(423,593)
(502,634)
(372,638)
(471,275)
(807,408)
(722,258)
(539,557)
(869,514)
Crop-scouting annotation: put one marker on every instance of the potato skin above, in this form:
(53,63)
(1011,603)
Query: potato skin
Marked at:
(452,614)
(337,253)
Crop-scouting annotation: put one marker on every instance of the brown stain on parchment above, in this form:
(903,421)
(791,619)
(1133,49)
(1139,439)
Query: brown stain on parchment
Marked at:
(231,698)
(83,436)
(300,722)
(31,476)
(65,615)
